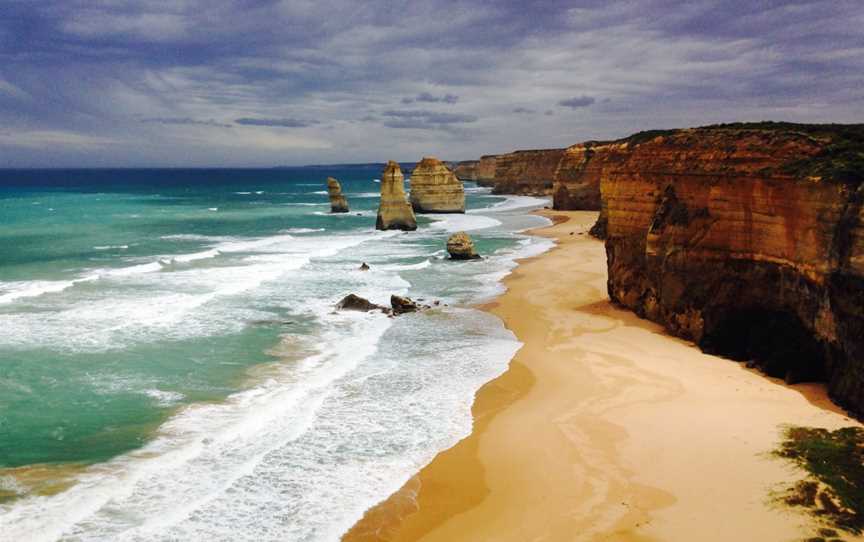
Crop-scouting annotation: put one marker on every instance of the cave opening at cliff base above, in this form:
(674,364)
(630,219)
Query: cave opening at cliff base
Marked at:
(774,341)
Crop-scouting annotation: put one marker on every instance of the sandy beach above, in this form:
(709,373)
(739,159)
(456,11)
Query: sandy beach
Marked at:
(606,428)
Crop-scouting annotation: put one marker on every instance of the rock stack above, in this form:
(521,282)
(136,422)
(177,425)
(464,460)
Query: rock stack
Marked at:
(338,203)
(394,211)
(435,189)
(461,247)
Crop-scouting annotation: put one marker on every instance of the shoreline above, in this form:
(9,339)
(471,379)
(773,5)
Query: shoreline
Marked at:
(605,427)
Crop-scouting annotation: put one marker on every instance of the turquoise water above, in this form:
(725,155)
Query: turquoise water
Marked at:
(174,330)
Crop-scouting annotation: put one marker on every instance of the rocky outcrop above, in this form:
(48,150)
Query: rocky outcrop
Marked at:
(353,302)
(576,184)
(401,305)
(338,203)
(435,189)
(466,170)
(461,247)
(749,241)
(486,170)
(394,211)
(529,172)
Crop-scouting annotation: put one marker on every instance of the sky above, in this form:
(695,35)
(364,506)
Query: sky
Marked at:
(213,83)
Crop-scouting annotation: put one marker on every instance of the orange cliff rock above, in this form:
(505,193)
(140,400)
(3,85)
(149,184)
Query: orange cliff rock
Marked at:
(435,189)
(394,211)
(577,179)
(746,239)
(526,172)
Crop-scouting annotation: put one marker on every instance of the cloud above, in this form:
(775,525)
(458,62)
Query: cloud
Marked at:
(192,64)
(280,123)
(578,102)
(186,121)
(425,120)
(430,98)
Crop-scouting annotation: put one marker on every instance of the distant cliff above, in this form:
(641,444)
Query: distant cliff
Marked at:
(466,170)
(746,239)
(527,172)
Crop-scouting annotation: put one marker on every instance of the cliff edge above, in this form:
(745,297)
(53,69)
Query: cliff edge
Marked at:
(746,239)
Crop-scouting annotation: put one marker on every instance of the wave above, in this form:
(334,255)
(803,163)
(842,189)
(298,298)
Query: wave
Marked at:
(514,203)
(111,247)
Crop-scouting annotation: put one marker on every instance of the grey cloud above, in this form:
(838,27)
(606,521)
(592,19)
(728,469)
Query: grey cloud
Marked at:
(280,123)
(186,121)
(425,119)
(431,98)
(577,102)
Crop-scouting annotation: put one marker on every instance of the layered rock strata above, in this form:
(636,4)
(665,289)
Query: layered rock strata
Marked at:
(338,203)
(460,246)
(394,211)
(466,170)
(528,172)
(435,189)
(748,240)
(576,185)
(486,170)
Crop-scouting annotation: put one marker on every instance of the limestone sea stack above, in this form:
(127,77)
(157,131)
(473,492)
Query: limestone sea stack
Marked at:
(435,189)
(461,247)
(338,203)
(394,211)
(747,239)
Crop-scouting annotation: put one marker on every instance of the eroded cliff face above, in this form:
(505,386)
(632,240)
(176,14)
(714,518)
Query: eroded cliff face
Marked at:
(529,172)
(338,203)
(435,189)
(747,240)
(577,179)
(394,211)
(466,170)
(486,170)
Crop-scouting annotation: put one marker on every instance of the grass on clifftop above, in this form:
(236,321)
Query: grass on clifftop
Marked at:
(834,460)
(841,160)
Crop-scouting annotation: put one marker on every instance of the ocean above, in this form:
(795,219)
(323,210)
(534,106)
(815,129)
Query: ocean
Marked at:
(172,366)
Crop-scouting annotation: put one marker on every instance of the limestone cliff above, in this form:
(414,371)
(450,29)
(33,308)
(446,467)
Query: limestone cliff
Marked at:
(528,172)
(466,170)
(338,203)
(748,240)
(577,178)
(486,170)
(435,189)
(394,211)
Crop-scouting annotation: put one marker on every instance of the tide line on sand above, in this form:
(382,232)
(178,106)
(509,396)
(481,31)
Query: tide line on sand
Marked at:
(604,427)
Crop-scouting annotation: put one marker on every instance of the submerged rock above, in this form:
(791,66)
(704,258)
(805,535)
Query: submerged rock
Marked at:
(401,304)
(394,211)
(353,302)
(338,203)
(435,189)
(461,247)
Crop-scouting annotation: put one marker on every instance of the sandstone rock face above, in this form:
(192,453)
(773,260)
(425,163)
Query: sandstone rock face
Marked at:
(467,170)
(529,172)
(486,170)
(577,179)
(394,211)
(748,240)
(435,189)
(461,247)
(338,203)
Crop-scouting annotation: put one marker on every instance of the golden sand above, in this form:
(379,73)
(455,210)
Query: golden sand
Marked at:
(605,428)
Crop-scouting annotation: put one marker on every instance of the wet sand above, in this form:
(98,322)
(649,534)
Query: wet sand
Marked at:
(606,428)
